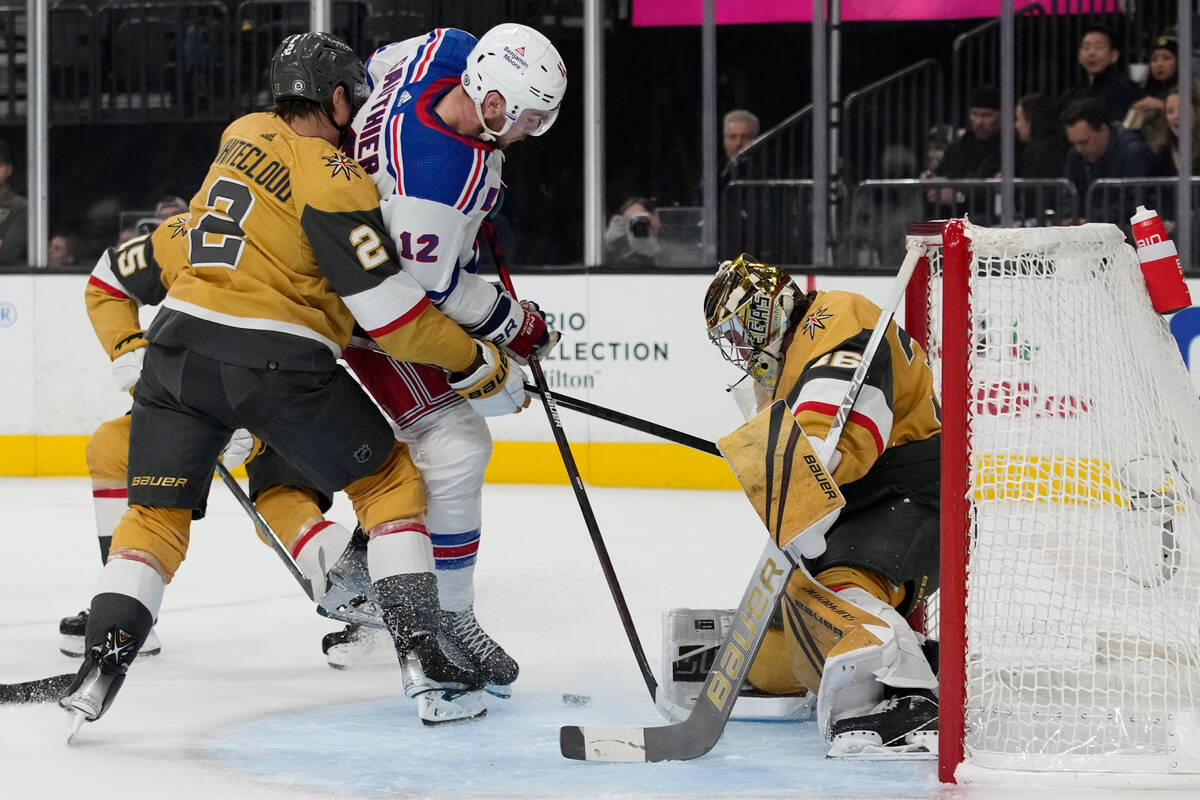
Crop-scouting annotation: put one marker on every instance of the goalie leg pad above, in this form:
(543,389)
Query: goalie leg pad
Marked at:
(691,639)
(848,646)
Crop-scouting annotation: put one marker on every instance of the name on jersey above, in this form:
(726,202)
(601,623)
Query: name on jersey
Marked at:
(247,158)
(367,146)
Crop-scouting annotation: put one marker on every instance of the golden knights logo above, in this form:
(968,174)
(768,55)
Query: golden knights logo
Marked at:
(815,320)
(342,165)
(177,226)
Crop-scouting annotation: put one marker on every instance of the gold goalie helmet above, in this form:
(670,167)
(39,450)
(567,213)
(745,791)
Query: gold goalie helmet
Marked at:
(748,307)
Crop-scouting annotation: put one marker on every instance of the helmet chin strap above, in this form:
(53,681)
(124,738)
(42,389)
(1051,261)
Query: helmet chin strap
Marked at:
(489,135)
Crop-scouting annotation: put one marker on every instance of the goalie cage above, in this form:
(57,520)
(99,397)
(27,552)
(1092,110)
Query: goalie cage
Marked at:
(1069,607)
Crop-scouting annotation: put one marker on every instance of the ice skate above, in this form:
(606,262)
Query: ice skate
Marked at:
(349,593)
(99,679)
(358,646)
(904,726)
(445,692)
(497,667)
(72,629)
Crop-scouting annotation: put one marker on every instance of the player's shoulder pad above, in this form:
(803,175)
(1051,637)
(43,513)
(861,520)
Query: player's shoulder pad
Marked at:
(323,177)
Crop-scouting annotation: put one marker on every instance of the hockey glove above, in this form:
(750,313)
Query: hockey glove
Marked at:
(239,448)
(127,368)
(494,387)
(534,337)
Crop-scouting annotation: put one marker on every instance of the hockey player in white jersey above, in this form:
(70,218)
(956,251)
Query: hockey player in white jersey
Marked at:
(432,135)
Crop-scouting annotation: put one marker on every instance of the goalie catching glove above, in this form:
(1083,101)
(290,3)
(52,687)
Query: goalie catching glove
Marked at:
(492,385)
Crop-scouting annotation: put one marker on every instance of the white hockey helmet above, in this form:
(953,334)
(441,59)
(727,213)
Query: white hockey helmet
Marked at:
(523,66)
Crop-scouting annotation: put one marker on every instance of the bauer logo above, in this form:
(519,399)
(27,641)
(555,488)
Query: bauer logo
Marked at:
(8,315)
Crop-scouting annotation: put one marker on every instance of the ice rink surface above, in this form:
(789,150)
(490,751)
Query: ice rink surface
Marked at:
(241,702)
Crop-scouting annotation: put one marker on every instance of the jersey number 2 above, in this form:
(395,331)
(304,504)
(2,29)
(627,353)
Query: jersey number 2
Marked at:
(218,238)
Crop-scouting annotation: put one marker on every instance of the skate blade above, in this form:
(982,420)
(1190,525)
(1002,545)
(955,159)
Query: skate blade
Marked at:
(919,746)
(442,708)
(75,723)
(501,690)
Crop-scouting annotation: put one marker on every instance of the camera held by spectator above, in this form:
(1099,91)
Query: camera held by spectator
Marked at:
(632,235)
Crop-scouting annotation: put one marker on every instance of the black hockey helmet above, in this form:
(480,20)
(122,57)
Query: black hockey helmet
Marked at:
(309,66)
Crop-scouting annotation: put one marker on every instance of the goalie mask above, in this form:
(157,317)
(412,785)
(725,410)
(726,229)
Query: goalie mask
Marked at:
(748,307)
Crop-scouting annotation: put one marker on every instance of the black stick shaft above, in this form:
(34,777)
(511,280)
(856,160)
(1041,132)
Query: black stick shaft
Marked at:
(630,421)
(585,506)
(265,529)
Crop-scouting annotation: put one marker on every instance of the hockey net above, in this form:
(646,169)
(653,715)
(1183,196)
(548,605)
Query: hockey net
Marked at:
(1070,590)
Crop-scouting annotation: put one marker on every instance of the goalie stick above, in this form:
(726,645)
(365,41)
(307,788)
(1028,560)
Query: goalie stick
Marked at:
(699,732)
(664,704)
(629,421)
(41,690)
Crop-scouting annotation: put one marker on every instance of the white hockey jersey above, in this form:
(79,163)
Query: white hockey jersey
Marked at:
(435,184)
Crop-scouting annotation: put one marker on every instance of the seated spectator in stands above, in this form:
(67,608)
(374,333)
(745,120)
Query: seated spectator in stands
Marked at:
(168,207)
(1155,129)
(1163,78)
(631,239)
(1101,148)
(975,154)
(1105,78)
(1172,116)
(1041,147)
(61,251)
(936,141)
(14,215)
(738,129)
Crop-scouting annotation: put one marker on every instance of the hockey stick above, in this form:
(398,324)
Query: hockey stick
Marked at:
(42,690)
(696,735)
(637,424)
(265,529)
(665,706)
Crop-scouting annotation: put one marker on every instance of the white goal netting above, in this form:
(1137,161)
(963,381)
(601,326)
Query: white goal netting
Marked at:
(1083,576)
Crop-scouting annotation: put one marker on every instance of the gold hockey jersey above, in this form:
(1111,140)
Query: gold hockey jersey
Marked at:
(896,404)
(283,249)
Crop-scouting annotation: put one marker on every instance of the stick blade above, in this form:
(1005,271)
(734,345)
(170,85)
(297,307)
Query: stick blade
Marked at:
(42,690)
(597,743)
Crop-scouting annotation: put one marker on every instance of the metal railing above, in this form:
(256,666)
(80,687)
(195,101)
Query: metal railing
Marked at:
(1047,35)
(911,101)
(880,211)
(784,152)
(771,219)
(1115,199)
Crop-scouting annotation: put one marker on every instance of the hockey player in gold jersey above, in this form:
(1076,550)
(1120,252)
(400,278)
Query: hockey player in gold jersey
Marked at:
(290,504)
(845,637)
(283,251)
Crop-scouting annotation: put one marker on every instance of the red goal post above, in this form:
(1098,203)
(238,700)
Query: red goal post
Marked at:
(1069,600)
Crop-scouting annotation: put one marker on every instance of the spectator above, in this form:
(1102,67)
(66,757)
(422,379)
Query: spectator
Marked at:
(975,154)
(14,215)
(632,236)
(1172,116)
(1164,77)
(738,129)
(1105,80)
(61,251)
(169,206)
(1041,148)
(1101,148)
(939,138)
